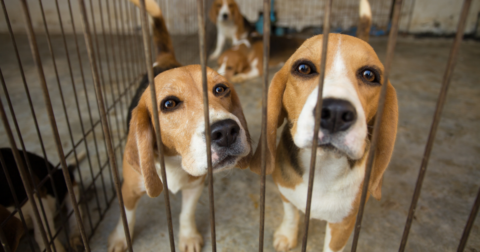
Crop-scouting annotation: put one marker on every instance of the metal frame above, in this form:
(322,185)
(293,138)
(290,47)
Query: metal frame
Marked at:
(129,59)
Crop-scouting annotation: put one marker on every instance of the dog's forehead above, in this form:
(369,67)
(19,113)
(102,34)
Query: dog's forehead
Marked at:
(354,52)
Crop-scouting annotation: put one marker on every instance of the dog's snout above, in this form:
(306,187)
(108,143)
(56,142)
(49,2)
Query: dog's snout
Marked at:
(225,16)
(337,115)
(225,133)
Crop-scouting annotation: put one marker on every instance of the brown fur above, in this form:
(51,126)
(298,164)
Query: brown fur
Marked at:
(13,229)
(363,31)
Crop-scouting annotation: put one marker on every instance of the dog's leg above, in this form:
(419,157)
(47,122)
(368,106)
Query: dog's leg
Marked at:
(190,238)
(49,212)
(285,236)
(117,241)
(219,46)
(75,239)
(337,234)
(241,77)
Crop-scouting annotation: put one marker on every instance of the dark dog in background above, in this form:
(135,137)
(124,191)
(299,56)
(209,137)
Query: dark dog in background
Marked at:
(39,169)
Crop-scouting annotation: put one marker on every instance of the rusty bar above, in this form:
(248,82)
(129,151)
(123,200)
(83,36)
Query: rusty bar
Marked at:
(103,116)
(452,60)
(392,40)
(67,54)
(203,62)
(86,94)
(24,175)
(318,111)
(50,47)
(470,222)
(32,110)
(120,41)
(263,140)
(149,65)
(127,47)
(110,80)
(51,116)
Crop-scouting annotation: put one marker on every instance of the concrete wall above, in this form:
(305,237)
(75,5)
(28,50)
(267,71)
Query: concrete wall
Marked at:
(418,16)
(437,16)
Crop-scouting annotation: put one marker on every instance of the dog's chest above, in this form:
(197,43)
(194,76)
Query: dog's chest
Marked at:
(228,29)
(177,178)
(335,186)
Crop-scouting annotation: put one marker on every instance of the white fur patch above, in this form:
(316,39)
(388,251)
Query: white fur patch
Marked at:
(223,68)
(365,10)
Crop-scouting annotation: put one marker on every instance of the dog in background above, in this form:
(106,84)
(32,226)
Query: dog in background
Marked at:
(231,24)
(180,103)
(353,80)
(241,63)
(40,168)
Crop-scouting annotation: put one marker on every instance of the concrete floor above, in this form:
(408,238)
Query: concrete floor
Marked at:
(449,188)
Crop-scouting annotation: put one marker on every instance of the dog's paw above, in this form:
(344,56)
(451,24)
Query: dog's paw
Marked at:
(213,57)
(117,243)
(191,243)
(76,243)
(237,78)
(284,241)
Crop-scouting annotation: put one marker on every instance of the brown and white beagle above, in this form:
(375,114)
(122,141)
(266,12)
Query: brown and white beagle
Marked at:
(353,79)
(241,63)
(230,23)
(180,110)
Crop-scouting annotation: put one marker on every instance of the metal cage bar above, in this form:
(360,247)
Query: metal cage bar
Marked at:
(318,111)
(263,141)
(469,225)
(103,117)
(203,63)
(53,124)
(392,40)
(149,65)
(452,60)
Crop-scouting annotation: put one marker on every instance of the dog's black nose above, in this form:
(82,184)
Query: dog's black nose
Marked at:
(337,115)
(225,16)
(224,133)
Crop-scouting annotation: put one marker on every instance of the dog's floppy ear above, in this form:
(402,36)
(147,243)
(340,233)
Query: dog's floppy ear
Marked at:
(242,65)
(238,112)
(386,141)
(275,117)
(139,150)
(237,15)
(213,13)
(13,229)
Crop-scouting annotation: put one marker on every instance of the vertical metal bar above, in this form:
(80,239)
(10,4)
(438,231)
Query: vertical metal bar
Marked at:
(149,65)
(87,101)
(203,62)
(263,140)
(48,104)
(24,175)
(470,222)
(103,117)
(127,48)
(392,40)
(67,54)
(452,60)
(318,111)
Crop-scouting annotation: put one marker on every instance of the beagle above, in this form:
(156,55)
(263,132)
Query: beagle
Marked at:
(180,110)
(230,23)
(353,79)
(241,63)
(39,171)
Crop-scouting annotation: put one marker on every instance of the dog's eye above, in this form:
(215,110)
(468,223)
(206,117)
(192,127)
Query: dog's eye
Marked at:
(170,103)
(220,89)
(229,68)
(369,75)
(304,69)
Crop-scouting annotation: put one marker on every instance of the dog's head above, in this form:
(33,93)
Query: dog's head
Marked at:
(225,10)
(180,110)
(233,61)
(353,79)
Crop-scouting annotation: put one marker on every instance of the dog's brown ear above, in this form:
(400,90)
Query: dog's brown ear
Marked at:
(238,112)
(237,16)
(386,141)
(213,13)
(242,65)
(275,117)
(139,150)
(13,229)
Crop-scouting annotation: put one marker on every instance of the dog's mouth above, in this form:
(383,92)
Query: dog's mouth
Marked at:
(228,160)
